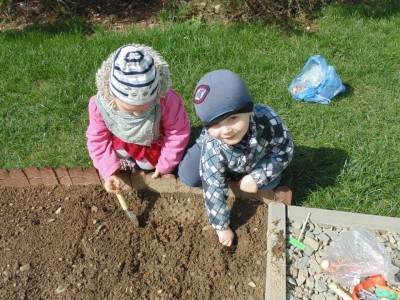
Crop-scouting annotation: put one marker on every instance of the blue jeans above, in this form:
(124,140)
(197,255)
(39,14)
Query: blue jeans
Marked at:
(189,170)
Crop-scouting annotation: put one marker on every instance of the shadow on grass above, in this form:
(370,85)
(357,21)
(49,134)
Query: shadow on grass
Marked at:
(381,9)
(311,169)
(71,26)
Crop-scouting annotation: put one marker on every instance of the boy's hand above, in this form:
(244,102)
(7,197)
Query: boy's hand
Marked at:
(226,236)
(112,184)
(248,185)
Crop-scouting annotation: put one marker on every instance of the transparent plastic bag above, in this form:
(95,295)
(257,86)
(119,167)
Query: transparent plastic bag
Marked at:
(317,82)
(357,254)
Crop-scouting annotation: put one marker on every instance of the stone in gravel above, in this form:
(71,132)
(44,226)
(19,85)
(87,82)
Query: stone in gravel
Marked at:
(329,296)
(309,234)
(323,237)
(332,234)
(321,286)
(317,230)
(324,226)
(312,243)
(318,297)
(308,251)
(315,265)
(291,280)
(301,263)
(297,225)
(303,272)
(310,283)
(300,280)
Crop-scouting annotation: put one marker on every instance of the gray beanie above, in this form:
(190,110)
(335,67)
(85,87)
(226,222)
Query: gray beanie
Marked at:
(219,94)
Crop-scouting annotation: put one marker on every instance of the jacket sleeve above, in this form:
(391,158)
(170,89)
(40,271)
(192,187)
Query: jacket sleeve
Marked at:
(277,158)
(215,186)
(99,143)
(176,132)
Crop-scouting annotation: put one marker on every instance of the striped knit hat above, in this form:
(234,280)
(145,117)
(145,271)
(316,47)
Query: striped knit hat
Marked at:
(135,77)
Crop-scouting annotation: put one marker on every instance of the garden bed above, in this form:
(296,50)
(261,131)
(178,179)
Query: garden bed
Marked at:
(75,242)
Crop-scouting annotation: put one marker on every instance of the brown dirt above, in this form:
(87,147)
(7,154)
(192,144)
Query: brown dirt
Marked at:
(74,242)
(117,14)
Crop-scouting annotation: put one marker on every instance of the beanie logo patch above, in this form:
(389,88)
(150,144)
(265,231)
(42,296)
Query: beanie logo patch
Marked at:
(201,93)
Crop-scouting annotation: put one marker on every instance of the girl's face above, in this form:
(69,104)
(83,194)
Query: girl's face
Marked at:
(232,129)
(135,110)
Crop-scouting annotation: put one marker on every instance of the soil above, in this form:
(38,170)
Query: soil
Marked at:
(116,14)
(75,242)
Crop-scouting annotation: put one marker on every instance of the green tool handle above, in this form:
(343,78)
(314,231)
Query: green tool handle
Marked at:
(388,293)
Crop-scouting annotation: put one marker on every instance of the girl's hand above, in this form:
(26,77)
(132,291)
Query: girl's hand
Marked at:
(248,185)
(156,174)
(226,236)
(112,184)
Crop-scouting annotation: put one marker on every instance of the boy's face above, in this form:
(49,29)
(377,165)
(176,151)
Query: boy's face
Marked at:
(232,129)
(135,110)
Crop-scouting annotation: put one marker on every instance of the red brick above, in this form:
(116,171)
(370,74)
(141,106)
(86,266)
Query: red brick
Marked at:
(77,175)
(75,172)
(33,175)
(267,196)
(63,176)
(32,172)
(18,178)
(4,174)
(92,176)
(283,194)
(48,176)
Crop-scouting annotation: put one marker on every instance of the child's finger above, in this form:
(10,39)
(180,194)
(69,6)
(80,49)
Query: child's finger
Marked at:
(156,174)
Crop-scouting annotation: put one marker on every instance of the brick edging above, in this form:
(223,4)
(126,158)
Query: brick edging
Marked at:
(32,176)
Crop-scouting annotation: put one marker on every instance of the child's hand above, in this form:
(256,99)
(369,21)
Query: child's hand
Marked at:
(112,184)
(226,236)
(248,185)
(156,174)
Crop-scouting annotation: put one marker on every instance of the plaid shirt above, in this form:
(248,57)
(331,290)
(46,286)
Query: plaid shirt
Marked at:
(263,153)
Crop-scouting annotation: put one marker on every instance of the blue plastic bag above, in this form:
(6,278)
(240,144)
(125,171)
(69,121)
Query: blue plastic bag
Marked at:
(317,82)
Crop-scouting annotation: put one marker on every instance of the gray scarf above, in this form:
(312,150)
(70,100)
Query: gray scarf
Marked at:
(140,130)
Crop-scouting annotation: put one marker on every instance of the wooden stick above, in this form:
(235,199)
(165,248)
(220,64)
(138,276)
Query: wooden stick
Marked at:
(334,287)
(304,227)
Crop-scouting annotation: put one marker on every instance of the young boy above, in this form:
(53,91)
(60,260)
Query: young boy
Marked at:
(240,140)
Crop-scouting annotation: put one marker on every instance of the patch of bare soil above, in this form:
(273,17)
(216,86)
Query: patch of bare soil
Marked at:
(76,243)
(117,14)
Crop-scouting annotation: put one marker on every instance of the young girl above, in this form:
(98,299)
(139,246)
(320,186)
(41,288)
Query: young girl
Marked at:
(136,120)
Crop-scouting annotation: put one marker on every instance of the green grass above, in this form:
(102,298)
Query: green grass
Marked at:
(347,155)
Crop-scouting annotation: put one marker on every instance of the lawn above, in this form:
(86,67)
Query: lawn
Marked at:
(347,154)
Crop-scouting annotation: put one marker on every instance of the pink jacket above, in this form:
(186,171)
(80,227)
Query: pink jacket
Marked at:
(174,124)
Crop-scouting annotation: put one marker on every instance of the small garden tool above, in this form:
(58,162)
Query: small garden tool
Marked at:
(131,215)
